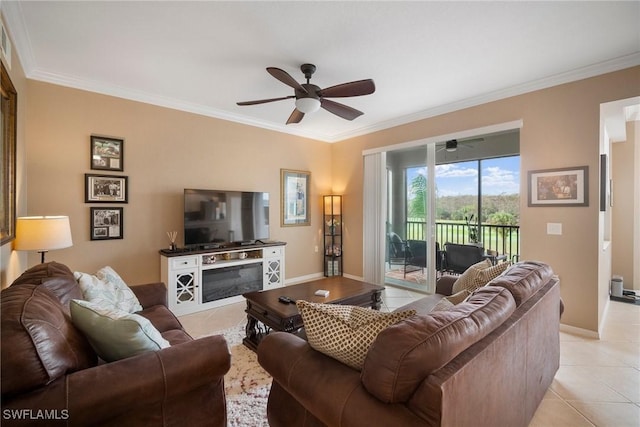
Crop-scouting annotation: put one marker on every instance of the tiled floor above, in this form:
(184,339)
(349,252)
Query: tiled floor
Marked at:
(598,383)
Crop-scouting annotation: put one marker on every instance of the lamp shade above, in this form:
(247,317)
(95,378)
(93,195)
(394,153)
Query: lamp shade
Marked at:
(333,205)
(42,233)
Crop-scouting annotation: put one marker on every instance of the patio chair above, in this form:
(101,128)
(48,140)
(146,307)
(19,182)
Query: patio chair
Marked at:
(457,258)
(417,256)
(397,249)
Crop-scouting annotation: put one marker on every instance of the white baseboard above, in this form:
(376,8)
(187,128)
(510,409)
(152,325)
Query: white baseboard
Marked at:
(587,333)
(315,276)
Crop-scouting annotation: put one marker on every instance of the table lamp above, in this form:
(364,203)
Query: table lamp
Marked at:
(42,234)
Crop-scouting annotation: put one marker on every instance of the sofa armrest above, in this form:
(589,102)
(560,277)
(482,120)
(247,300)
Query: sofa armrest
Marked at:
(444,284)
(151,294)
(138,388)
(325,387)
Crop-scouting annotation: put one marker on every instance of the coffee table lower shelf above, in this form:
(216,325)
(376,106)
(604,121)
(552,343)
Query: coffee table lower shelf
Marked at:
(266,313)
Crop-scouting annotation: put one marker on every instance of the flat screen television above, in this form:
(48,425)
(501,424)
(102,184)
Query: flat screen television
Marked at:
(217,217)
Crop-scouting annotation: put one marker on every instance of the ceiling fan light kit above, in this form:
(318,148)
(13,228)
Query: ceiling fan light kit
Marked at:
(310,98)
(308,105)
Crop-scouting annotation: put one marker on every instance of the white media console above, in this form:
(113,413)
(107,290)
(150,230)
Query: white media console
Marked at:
(204,279)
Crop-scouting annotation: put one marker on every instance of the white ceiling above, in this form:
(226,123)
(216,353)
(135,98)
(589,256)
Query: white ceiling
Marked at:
(426,58)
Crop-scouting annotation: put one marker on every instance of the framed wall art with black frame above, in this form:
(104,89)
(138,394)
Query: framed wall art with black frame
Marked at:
(106,223)
(107,153)
(567,187)
(106,188)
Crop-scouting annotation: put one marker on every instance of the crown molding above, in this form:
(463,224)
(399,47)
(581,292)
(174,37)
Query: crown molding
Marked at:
(17,30)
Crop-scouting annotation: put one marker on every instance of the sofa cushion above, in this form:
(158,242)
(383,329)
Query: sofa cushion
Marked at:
(54,276)
(479,276)
(345,332)
(524,279)
(162,318)
(39,341)
(404,354)
(107,290)
(113,333)
(443,304)
(452,300)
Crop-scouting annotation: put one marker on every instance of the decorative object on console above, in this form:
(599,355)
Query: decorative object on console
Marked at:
(333,221)
(106,223)
(107,153)
(567,187)
(295,192)
(42,234)
(172,240)
(105,188)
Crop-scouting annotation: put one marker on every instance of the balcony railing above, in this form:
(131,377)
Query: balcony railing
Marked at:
(504,239)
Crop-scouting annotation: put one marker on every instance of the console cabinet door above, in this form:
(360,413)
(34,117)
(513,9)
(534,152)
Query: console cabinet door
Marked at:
(184,289)
(273,267)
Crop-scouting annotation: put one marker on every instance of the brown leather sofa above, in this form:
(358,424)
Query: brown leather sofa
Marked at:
(486,362)
(51,375)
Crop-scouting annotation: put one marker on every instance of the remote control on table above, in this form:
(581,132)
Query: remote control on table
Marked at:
(286,300)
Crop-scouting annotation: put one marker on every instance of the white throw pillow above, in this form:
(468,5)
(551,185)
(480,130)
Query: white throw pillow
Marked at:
(115,334)
(109,291)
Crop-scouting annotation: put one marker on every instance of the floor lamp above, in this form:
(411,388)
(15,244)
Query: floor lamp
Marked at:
(42,234)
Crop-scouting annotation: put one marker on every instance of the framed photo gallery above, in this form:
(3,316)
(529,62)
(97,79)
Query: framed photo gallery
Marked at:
(106,154)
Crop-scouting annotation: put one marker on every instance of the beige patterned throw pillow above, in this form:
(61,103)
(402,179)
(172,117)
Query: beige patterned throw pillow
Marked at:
(467,280)
(488,274)
(345,332)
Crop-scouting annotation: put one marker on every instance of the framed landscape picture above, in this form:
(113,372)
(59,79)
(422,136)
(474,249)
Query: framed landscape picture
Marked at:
(559,187)
(107,153)
(106,223)
(295,187)
(105,188)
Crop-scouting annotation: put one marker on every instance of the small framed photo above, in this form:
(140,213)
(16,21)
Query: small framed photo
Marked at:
(107,153)
(105,188)
(295,192)
(566,187)
(106,223)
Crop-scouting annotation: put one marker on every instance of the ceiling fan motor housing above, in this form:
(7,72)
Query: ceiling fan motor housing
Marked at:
(308,70)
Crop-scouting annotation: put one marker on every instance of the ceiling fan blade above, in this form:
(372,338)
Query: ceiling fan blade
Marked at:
(263,101)
(295,117)
(285,78)
(357,88)
(340,110)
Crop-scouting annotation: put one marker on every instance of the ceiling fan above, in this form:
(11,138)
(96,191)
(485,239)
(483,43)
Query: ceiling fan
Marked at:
(453,144)
(309,97)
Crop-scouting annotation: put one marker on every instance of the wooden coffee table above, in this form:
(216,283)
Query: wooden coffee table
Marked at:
(266,313)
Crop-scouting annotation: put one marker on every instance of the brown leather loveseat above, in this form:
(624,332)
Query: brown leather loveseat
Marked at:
(487,361)
(52,376)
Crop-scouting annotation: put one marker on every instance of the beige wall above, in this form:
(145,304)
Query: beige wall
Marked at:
(560,129)
(626,189)
(165,151)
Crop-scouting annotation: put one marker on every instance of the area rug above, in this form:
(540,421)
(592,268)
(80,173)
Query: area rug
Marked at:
(416,276)
(247,385)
